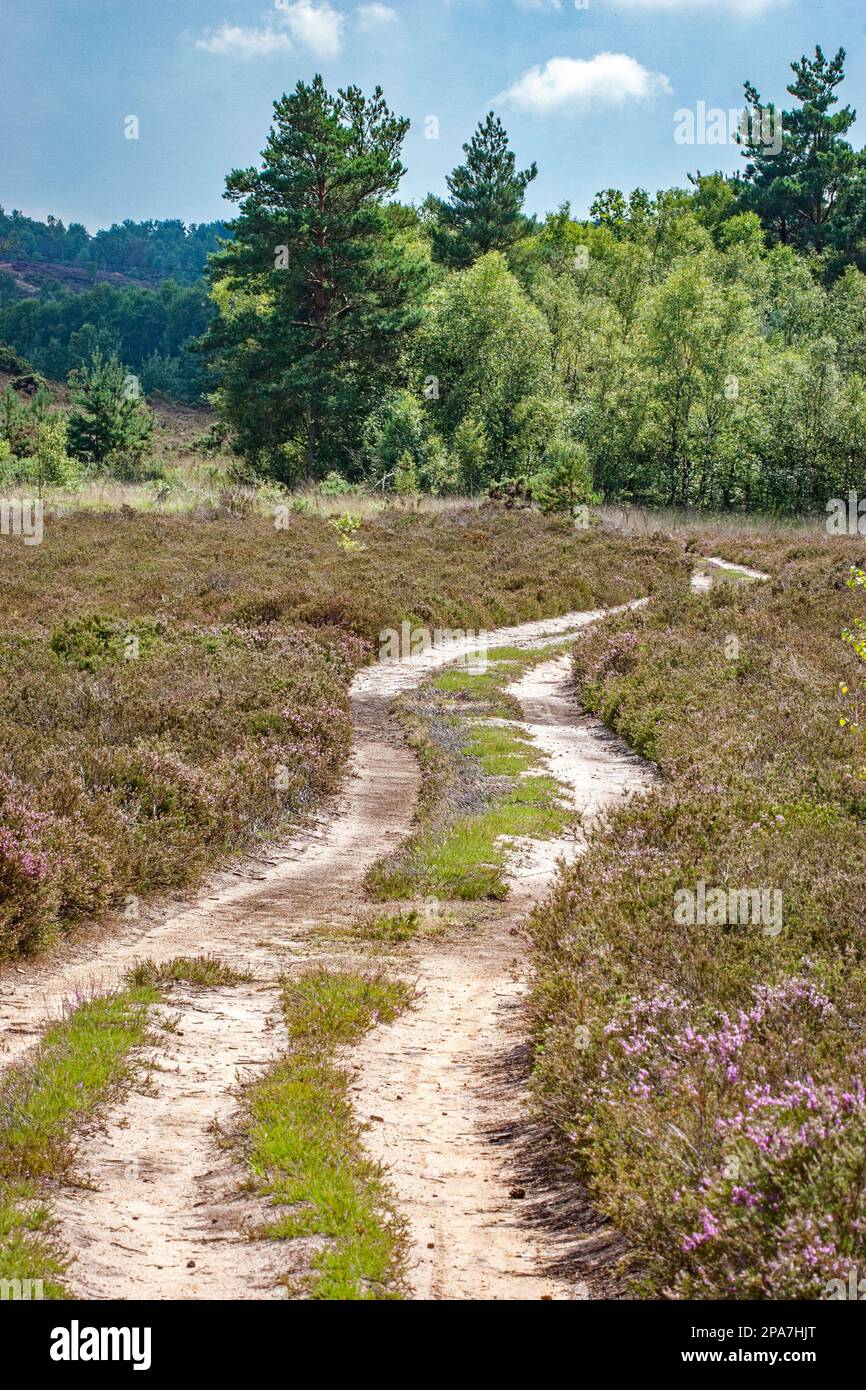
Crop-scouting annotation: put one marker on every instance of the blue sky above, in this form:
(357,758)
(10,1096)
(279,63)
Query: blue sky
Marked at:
(589,93)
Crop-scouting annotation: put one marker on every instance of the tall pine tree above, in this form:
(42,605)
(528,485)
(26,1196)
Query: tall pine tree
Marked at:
(485,210)
(320,284)
(802,185)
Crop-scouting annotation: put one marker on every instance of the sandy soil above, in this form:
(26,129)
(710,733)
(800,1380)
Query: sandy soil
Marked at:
(702,579)
(447,1080)
(164,1219)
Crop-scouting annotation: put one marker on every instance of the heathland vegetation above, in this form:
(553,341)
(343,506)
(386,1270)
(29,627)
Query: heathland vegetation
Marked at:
(705,1075)
(407,406)
(172,687)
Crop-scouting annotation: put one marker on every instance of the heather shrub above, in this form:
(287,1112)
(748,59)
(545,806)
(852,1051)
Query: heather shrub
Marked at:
(123,776)
(89,642)
(674,1056)
(28,873)
(172,688)
(786,1218)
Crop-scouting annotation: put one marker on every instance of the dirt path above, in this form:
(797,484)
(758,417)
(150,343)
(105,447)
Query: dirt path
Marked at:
(163,1220)
(446,1081)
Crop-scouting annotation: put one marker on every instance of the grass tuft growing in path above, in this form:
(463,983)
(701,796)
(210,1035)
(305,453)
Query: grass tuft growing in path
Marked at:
(305,1146)
(207,971)
(482,786)
(79,1062)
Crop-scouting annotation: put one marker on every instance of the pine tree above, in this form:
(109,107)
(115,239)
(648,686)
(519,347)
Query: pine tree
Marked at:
(406,479)
(801,184)
(320,284)
(484,212)
(567,483)
(471,451)
(110,427)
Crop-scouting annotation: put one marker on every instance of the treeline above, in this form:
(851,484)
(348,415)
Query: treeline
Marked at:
(150,331)
(150,250)
(703,346)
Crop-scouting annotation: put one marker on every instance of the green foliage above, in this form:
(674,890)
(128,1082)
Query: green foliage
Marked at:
(150,250)
(399,431)
(335,485)
(79,1063)
(484,212)
(11,362)
(406,478)
(88,643)
(151,330)
(395,428)
(206,972)
(566,483)
(487,348)
(305,1146)
(320,286)
(803,183)
(33,443)
(345,527)
(110,427)
(471,451)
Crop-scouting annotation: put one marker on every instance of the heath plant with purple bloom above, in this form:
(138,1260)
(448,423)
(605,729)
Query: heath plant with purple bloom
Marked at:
(715,1102)
(175,687)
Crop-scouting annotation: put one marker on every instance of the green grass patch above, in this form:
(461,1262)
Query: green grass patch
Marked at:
(512,654)
(207,971)
(467,861)
(484,688)
(28,1247)
(305,1146)
(462,856)
(324,1008)
(79,1062)
(390,928)
(503,750)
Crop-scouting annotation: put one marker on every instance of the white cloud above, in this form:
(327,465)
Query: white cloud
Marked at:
(740,7)
(562,84)
(236,42)
(314,24)
(311,24)
(376,16)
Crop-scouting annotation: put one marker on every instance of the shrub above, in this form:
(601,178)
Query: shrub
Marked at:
(515,494)
(110,426)
(471,451)
(406,478)
(567,482)
(11,362)
(704,1079)
(335,485)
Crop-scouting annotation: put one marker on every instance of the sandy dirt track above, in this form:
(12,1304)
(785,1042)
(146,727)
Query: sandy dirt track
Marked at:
(163,1218)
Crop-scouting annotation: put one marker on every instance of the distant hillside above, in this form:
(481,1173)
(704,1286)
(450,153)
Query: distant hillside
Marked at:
(34,253)
(31,277)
